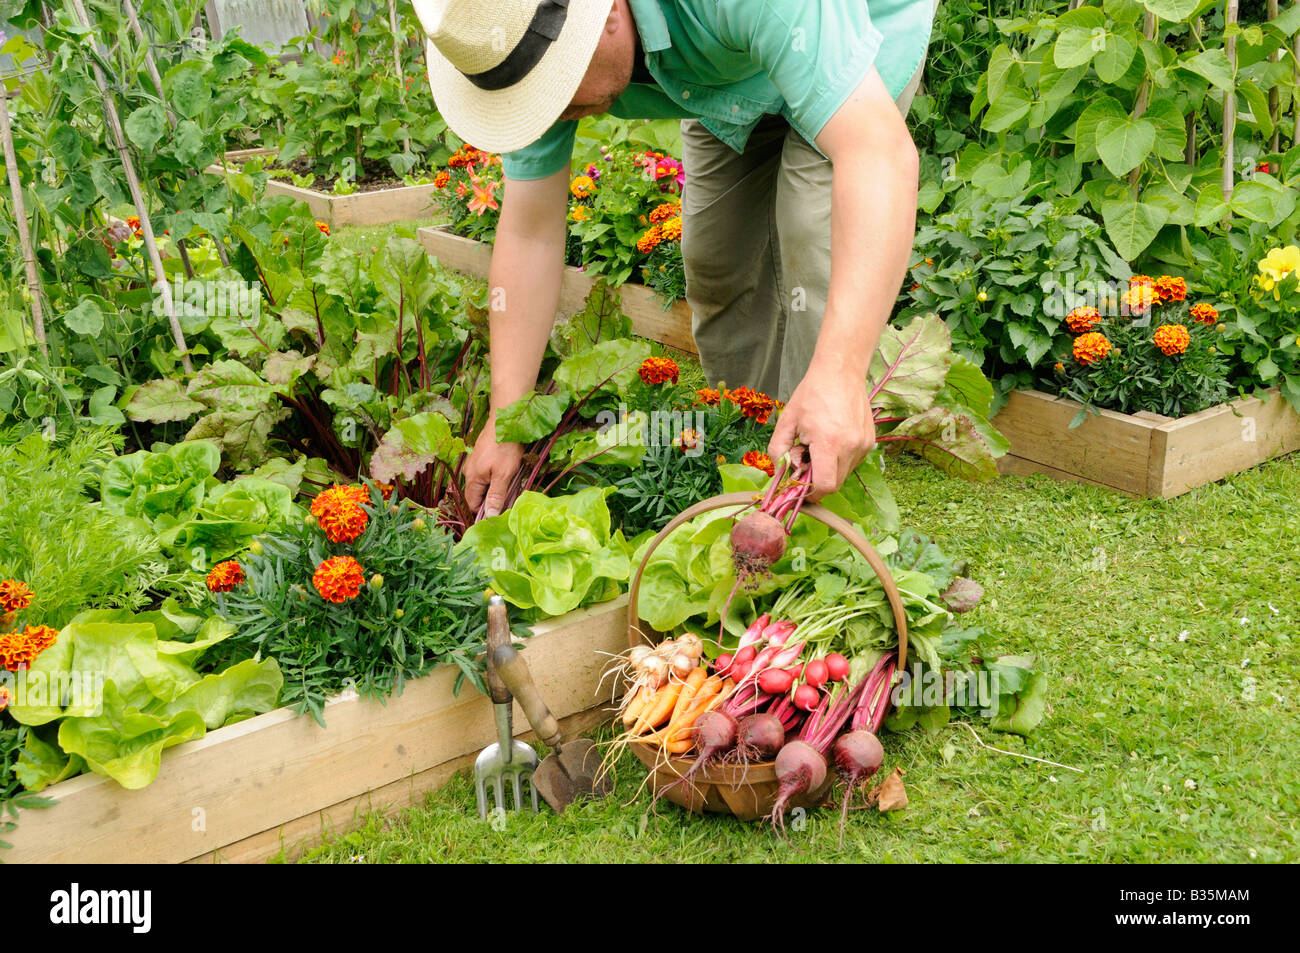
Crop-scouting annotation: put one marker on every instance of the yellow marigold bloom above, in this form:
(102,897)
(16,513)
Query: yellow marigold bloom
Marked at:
(1172,339)
(1170,288)
(659,370)
(1058,367)
(582,186)
(650,240)
(662,213)
(1204,313)
(1081,320)
(1091,347)
(581,213)
(339,579)
(672,230)
(14,595)
(225,576)
(19,649)
(1280,262)
(759,461)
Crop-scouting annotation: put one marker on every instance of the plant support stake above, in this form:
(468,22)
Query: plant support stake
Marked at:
(20,216)
(397,61)
(1229,105)
(137,197)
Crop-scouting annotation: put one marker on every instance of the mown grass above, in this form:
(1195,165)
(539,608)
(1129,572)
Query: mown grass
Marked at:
(1169,633)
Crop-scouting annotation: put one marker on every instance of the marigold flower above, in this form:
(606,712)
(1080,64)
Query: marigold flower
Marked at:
(19,649)
(133,223)
(1058,367)
(1170,288)
(708,396)
(759,461)
(688,439)
(1140,298)
(1172,339)
(324,228)
(14,595)
(1091,347)
(441,179)
(752,403)
(581,213)
(659,370)
(386,489)
(5,697)
(339,510)
(1204,313)
(671,230)
(338,495)
(650,240)
(339,579)
(582,186)
(662,213)
(225,576)
(1081,320)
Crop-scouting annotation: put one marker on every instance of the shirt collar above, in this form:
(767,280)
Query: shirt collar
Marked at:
(651,24)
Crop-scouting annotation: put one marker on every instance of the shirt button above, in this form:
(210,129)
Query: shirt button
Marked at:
(686,94)
(735,108)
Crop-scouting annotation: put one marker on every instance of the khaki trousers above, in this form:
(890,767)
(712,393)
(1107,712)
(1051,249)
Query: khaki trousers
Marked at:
(756,243)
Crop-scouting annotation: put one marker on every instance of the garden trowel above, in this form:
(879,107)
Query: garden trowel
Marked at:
(569,771)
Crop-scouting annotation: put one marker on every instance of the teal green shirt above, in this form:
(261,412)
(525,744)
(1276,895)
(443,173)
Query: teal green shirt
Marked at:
(729,62)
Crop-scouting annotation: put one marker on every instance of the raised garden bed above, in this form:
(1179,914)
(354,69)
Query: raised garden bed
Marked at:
(643,306)
(280,781)
(1144,454)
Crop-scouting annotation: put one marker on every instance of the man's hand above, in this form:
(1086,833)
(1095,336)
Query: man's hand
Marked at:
(830,414)
(488,471)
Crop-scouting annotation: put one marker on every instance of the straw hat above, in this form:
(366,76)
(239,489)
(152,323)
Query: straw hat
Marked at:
(503,71)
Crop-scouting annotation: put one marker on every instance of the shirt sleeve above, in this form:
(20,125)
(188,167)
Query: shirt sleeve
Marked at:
(815,52)
(547,156)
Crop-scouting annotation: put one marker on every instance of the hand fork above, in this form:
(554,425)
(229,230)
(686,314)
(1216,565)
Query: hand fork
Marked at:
(506,759)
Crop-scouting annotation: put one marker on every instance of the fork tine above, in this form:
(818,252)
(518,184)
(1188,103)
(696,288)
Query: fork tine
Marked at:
(518,791)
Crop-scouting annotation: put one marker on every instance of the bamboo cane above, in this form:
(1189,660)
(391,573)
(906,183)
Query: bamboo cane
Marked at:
(1273,94)
(397,60)
(137,198)
(1229,103)
(1295,96)
(20,216)
(1143,95)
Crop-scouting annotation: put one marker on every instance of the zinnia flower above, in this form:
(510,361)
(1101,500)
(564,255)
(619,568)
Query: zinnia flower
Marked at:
(759,461)
(1091,347)
(339,579)
(582,186)
(1170,288)
(324,228)
(708,396)
(19,649)
(14,595)
(1082,320)
(662,213)
(658,370)
(1204,313)
(225,576)
(1172,339)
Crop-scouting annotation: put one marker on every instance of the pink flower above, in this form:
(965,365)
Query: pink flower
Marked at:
(484,197)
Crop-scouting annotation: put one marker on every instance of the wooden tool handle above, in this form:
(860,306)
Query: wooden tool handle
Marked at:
(513,670)
(498,636)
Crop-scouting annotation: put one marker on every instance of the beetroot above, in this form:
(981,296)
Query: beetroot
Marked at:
(800,768)
(714,733)
(759,737)
(757,541)
(857,756)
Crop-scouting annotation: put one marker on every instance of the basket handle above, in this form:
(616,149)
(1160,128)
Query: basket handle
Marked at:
(852,535)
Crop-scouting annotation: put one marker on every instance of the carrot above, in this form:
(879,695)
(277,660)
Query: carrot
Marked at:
(640,695)
(659,707)
(697,678)
(712,685)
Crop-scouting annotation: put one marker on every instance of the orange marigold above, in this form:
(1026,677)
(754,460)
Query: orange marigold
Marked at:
(1058,367)
(659,370)
(662,213)
(19,649)
(386,490)
(1082,320)
(1172,339)
(752,403)
(5,697)
(441,179)
(344,524)
(324,228)
(1091,347)
(338,495)
(1139,298)
(339,579)
(14,595)
(582,186)
(581,213)
(225,576)
(1204,313)
(650,240)
(1170,288)
(671,230)
(688,439)
(708,396)
(759,461)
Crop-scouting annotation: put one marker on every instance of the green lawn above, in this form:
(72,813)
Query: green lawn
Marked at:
(1168,630)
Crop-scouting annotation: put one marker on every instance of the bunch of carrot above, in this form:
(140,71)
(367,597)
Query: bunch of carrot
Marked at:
(664,716)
